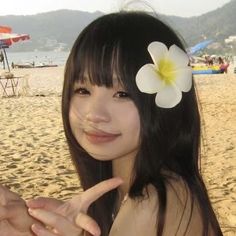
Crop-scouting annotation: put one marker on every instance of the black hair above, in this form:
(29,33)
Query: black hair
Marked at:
(170,138)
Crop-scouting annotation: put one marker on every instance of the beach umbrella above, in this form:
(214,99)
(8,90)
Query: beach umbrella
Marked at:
(10,38)
(199,46)
(7,38)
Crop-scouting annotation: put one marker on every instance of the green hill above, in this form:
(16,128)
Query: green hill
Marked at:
(49,31)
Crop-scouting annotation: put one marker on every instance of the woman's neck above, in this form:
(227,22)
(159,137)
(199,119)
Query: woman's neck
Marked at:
(122,167)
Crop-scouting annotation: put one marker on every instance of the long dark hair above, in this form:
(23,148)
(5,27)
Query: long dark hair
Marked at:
(117,44)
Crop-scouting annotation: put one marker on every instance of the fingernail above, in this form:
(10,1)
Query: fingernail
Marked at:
(36,228)
(31,211)
(28,202)
(95,232)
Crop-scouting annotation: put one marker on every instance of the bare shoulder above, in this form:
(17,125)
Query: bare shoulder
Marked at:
(138,217)
(183,212)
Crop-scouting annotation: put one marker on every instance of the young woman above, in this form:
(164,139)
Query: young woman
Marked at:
(130,111)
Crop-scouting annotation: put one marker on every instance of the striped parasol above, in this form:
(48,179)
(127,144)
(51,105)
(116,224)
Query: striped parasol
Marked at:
(7,38)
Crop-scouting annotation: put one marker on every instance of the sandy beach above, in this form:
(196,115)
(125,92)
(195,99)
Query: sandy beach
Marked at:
(34,158)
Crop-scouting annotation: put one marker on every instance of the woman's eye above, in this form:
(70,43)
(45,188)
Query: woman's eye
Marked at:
(121,94)
(81,91)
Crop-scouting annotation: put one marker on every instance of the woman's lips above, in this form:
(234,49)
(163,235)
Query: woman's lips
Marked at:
(100,137)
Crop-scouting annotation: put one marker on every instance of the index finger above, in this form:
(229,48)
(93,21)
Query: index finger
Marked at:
(92,194)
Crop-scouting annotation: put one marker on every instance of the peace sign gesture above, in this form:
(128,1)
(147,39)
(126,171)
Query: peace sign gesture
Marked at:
(69,218)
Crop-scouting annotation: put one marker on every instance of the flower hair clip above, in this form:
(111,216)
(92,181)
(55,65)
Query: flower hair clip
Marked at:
(169,76)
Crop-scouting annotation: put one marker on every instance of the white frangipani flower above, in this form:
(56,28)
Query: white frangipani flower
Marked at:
(169,76)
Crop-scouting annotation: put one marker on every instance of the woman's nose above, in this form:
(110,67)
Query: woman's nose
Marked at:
(97,112)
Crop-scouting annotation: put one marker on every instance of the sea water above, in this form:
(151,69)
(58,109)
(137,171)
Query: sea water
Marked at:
(37,57)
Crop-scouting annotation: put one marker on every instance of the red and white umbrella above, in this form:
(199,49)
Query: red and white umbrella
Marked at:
(10,38)
(7,38)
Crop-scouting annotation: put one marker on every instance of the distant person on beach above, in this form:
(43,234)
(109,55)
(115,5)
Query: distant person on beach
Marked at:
(223,66)
(209,60)
(132,124)
(2,59)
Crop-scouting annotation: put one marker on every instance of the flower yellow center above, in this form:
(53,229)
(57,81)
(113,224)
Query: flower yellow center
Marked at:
(167,71)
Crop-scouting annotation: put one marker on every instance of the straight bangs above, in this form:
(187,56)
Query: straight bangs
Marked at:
(101,63)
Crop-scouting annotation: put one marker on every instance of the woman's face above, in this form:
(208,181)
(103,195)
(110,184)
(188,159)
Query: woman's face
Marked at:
(104,121)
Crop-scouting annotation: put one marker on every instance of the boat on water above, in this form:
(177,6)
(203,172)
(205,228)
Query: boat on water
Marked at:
(32,65)
(25,65)
(45,65)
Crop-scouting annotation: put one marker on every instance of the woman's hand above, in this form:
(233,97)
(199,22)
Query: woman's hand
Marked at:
(69,218)
(14,217)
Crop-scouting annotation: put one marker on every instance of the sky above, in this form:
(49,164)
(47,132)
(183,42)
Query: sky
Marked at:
(184,8)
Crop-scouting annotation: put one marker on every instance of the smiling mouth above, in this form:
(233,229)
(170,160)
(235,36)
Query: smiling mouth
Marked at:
(96,137)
